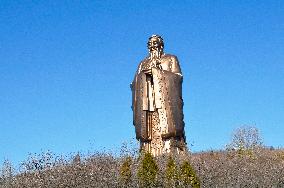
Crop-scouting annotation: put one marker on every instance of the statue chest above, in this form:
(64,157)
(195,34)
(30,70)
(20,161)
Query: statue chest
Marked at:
(166,64)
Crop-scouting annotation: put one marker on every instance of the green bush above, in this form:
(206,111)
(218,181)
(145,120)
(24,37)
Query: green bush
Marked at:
(188,175)
(171,173)
(148,170)
(125,171)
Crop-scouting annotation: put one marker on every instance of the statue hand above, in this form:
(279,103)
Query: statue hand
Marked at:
(149,71)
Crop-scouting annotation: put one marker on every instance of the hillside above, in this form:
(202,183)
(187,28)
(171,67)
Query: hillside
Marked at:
(260,167)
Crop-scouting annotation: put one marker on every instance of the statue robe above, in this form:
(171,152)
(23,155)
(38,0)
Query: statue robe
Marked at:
(163,96)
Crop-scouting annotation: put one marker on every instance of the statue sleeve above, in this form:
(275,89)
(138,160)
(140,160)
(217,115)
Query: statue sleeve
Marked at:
(168,87)
(139,104)
(175,66)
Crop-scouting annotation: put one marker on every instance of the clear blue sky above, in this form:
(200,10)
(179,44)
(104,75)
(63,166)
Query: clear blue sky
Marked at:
(66,66)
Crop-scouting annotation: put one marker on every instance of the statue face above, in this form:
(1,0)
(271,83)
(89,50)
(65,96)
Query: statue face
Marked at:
(155,43)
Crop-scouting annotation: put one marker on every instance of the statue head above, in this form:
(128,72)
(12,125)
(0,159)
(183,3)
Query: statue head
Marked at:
(155,43)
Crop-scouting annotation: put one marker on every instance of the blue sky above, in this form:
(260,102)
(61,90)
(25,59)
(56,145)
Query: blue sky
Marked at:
(66,66)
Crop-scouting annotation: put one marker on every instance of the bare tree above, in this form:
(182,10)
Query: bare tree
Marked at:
(6,173)
(245,138)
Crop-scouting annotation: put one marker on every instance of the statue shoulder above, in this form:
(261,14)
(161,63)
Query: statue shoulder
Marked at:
(142,63)
(171,57)
(174,63)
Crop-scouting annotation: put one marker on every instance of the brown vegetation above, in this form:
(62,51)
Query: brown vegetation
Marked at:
(245,163)
(259,167)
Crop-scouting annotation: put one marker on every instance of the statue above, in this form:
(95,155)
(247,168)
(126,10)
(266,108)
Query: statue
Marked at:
(157,101)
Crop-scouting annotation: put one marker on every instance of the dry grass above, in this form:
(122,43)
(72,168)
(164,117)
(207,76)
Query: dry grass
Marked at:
(252,168)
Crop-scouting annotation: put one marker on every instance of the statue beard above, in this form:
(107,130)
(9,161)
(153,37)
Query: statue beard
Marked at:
(156,54)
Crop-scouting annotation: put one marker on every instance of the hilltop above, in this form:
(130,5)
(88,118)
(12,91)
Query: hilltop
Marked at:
(260,167)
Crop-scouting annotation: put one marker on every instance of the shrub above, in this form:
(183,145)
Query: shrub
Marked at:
(188,175)
(148,170)
(171,173)
(125,171)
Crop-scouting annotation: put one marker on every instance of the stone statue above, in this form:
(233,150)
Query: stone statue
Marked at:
(157,101)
